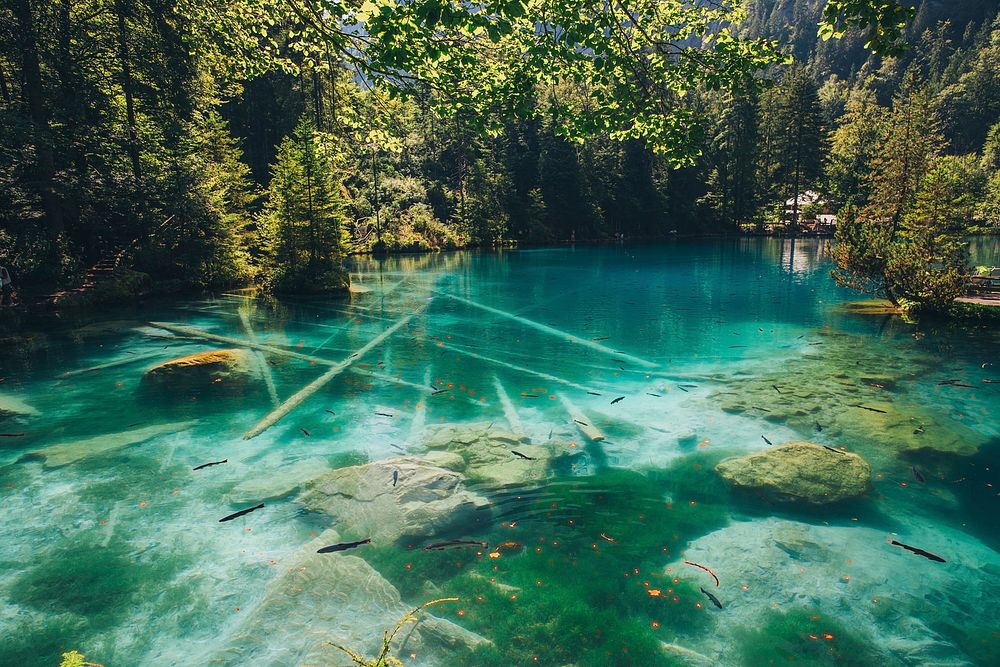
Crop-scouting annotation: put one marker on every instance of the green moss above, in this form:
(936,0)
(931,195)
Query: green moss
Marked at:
(538,596)
(95,582)
(807,637)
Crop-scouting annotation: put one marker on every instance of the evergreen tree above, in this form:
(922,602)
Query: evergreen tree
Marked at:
(927,261)
(792,140)
(852,147)
(304,218)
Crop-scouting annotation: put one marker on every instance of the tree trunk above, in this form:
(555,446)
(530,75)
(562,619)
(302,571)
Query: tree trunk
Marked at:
(35,97)
(128,89)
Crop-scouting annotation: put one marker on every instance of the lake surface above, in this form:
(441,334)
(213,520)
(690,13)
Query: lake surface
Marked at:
(576,550)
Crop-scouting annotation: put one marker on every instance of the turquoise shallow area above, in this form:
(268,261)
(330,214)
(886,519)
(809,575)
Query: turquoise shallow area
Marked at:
(113,546)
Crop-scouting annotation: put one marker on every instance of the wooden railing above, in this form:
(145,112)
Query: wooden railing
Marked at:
(984,285)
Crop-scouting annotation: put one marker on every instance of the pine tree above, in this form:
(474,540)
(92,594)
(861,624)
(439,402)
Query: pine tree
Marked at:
(304,219)
(852,147)
(792,159)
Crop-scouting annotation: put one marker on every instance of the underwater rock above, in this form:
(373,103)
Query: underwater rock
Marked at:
(325,599)
(487,452)
(223,371)
(845,390)
(278,482)
(425,500)
(448,460)
(12,407)
(72,451)
(799,471)
(853,575)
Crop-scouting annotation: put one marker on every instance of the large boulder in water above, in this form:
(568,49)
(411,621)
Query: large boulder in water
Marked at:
(218,372)
(799,471)
(424,500)
(321,600)
(487,453)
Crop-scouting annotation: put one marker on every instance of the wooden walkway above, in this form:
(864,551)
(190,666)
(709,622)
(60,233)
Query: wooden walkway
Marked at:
(982,290)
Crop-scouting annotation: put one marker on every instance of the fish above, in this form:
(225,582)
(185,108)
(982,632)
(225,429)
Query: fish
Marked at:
(758,408)
(383,414)
(523,456)
(767,441)
(439,391)
(331,412)
(711,597)
(618,400)
(305,432)
(529,395)
(395,477)
(760,329)
(682,389)
(832,449)
(581,423)
(607,538)
(989,381)
(917,475)
(343,546)
(593,393)
(733,347)
(236,515)
(775,387)
(550,433)
(702,567)
(920,552)
(819,427)
(440,546)
(864,407)
(208,465)
(600,338)
(11,435)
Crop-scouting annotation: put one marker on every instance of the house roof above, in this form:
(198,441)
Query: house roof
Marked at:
(805,198)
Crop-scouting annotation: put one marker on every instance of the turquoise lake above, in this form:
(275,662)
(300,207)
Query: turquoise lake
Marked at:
(575,550)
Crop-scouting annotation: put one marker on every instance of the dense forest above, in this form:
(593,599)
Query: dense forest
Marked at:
(124,136)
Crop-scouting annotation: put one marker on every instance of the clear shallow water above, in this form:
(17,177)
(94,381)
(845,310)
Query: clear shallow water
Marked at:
(111,543)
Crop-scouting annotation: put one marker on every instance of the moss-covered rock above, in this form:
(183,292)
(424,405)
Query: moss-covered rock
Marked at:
(323,600)
(800,472)
(390,499)
(217,371)
(487,453)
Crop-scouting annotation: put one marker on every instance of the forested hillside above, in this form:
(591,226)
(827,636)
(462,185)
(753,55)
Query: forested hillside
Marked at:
(200,170)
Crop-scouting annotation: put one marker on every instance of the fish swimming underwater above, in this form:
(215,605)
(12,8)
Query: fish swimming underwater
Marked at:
(917,475)
(343,546)
(208,465)
(237,515)
(920,552)
(711,597)
(395,477)
(523,456)
(767,441)
(449,544)
(618,400)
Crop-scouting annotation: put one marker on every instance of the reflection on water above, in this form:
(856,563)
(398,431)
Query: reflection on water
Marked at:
(565,407)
